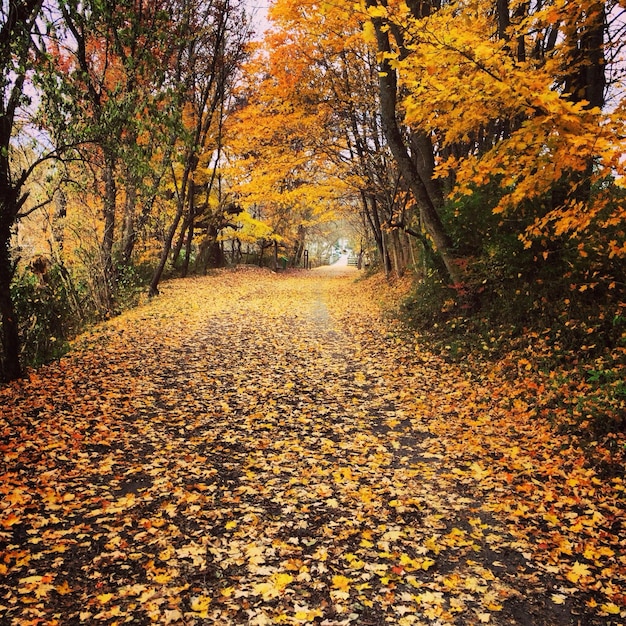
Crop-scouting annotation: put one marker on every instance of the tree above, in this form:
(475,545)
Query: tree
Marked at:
(17,44)
(417,170)
(306,145)
(116,98)
(274,171)
(216,34)
(527,118)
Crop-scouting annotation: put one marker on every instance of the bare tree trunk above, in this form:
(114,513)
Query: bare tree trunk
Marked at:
(10,367)
(110,201)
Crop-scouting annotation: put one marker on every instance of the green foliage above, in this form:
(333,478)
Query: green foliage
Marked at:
(49,317)
(131,283)
(47,321)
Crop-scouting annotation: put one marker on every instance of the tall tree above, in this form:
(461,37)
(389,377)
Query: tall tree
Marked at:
(216,35)
(114,99)
(17,40)
(307,142)
(416,170)
(528,118)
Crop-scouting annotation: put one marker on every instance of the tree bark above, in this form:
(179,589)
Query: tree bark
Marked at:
(186,190)
(10,367)
(110,202)
(15,50)
(129,234)
(388,109)
(370,210)
(587,78)
(188,244)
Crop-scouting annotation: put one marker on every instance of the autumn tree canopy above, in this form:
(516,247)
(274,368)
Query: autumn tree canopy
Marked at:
(119,94)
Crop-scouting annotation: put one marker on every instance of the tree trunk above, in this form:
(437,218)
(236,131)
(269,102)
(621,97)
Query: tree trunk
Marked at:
(15,54)
(214,255)
(10,367)
(388,101)
(10,204)
(129,235)
(185,268)
(585,81)
(165,253)
(261,252)
(110,202)
(370,210)
(587,67)
(424,159)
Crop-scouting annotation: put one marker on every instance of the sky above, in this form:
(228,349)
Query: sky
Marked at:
(258,9)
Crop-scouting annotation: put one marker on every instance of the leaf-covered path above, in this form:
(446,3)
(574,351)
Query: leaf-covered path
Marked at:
(252,448)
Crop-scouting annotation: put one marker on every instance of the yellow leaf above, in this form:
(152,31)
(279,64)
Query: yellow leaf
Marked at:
(282,580)
(377,11)
(103,598)
(273,587)
(200,604)
(393,535)
(63,589)
(267,590)
(163,578)
(432,544)
(341,582)
(610,608)
(578,571)
(307,615)
(41,591)
(369,34)
(10,520)
(430,597)
(558,598)
(414,582)
(552,519)
(167,554)
(479,472)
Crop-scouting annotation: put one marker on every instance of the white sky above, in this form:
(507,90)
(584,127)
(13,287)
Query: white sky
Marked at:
(258,10)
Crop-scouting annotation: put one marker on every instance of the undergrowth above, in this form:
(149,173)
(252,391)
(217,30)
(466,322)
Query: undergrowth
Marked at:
(566,344)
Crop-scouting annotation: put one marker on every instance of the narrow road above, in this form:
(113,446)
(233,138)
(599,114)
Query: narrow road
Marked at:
(242,450)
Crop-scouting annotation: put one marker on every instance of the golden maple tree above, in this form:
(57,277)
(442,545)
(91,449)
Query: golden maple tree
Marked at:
(520,101)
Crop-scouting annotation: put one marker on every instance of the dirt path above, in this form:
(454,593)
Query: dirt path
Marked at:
(243,450)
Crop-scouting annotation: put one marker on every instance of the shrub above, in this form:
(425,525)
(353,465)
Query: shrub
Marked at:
(47,321)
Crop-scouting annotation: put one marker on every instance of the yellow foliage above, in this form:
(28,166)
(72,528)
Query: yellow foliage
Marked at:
(459,79)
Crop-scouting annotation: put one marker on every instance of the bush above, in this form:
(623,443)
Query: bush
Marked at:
(47,321)
(131,282)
